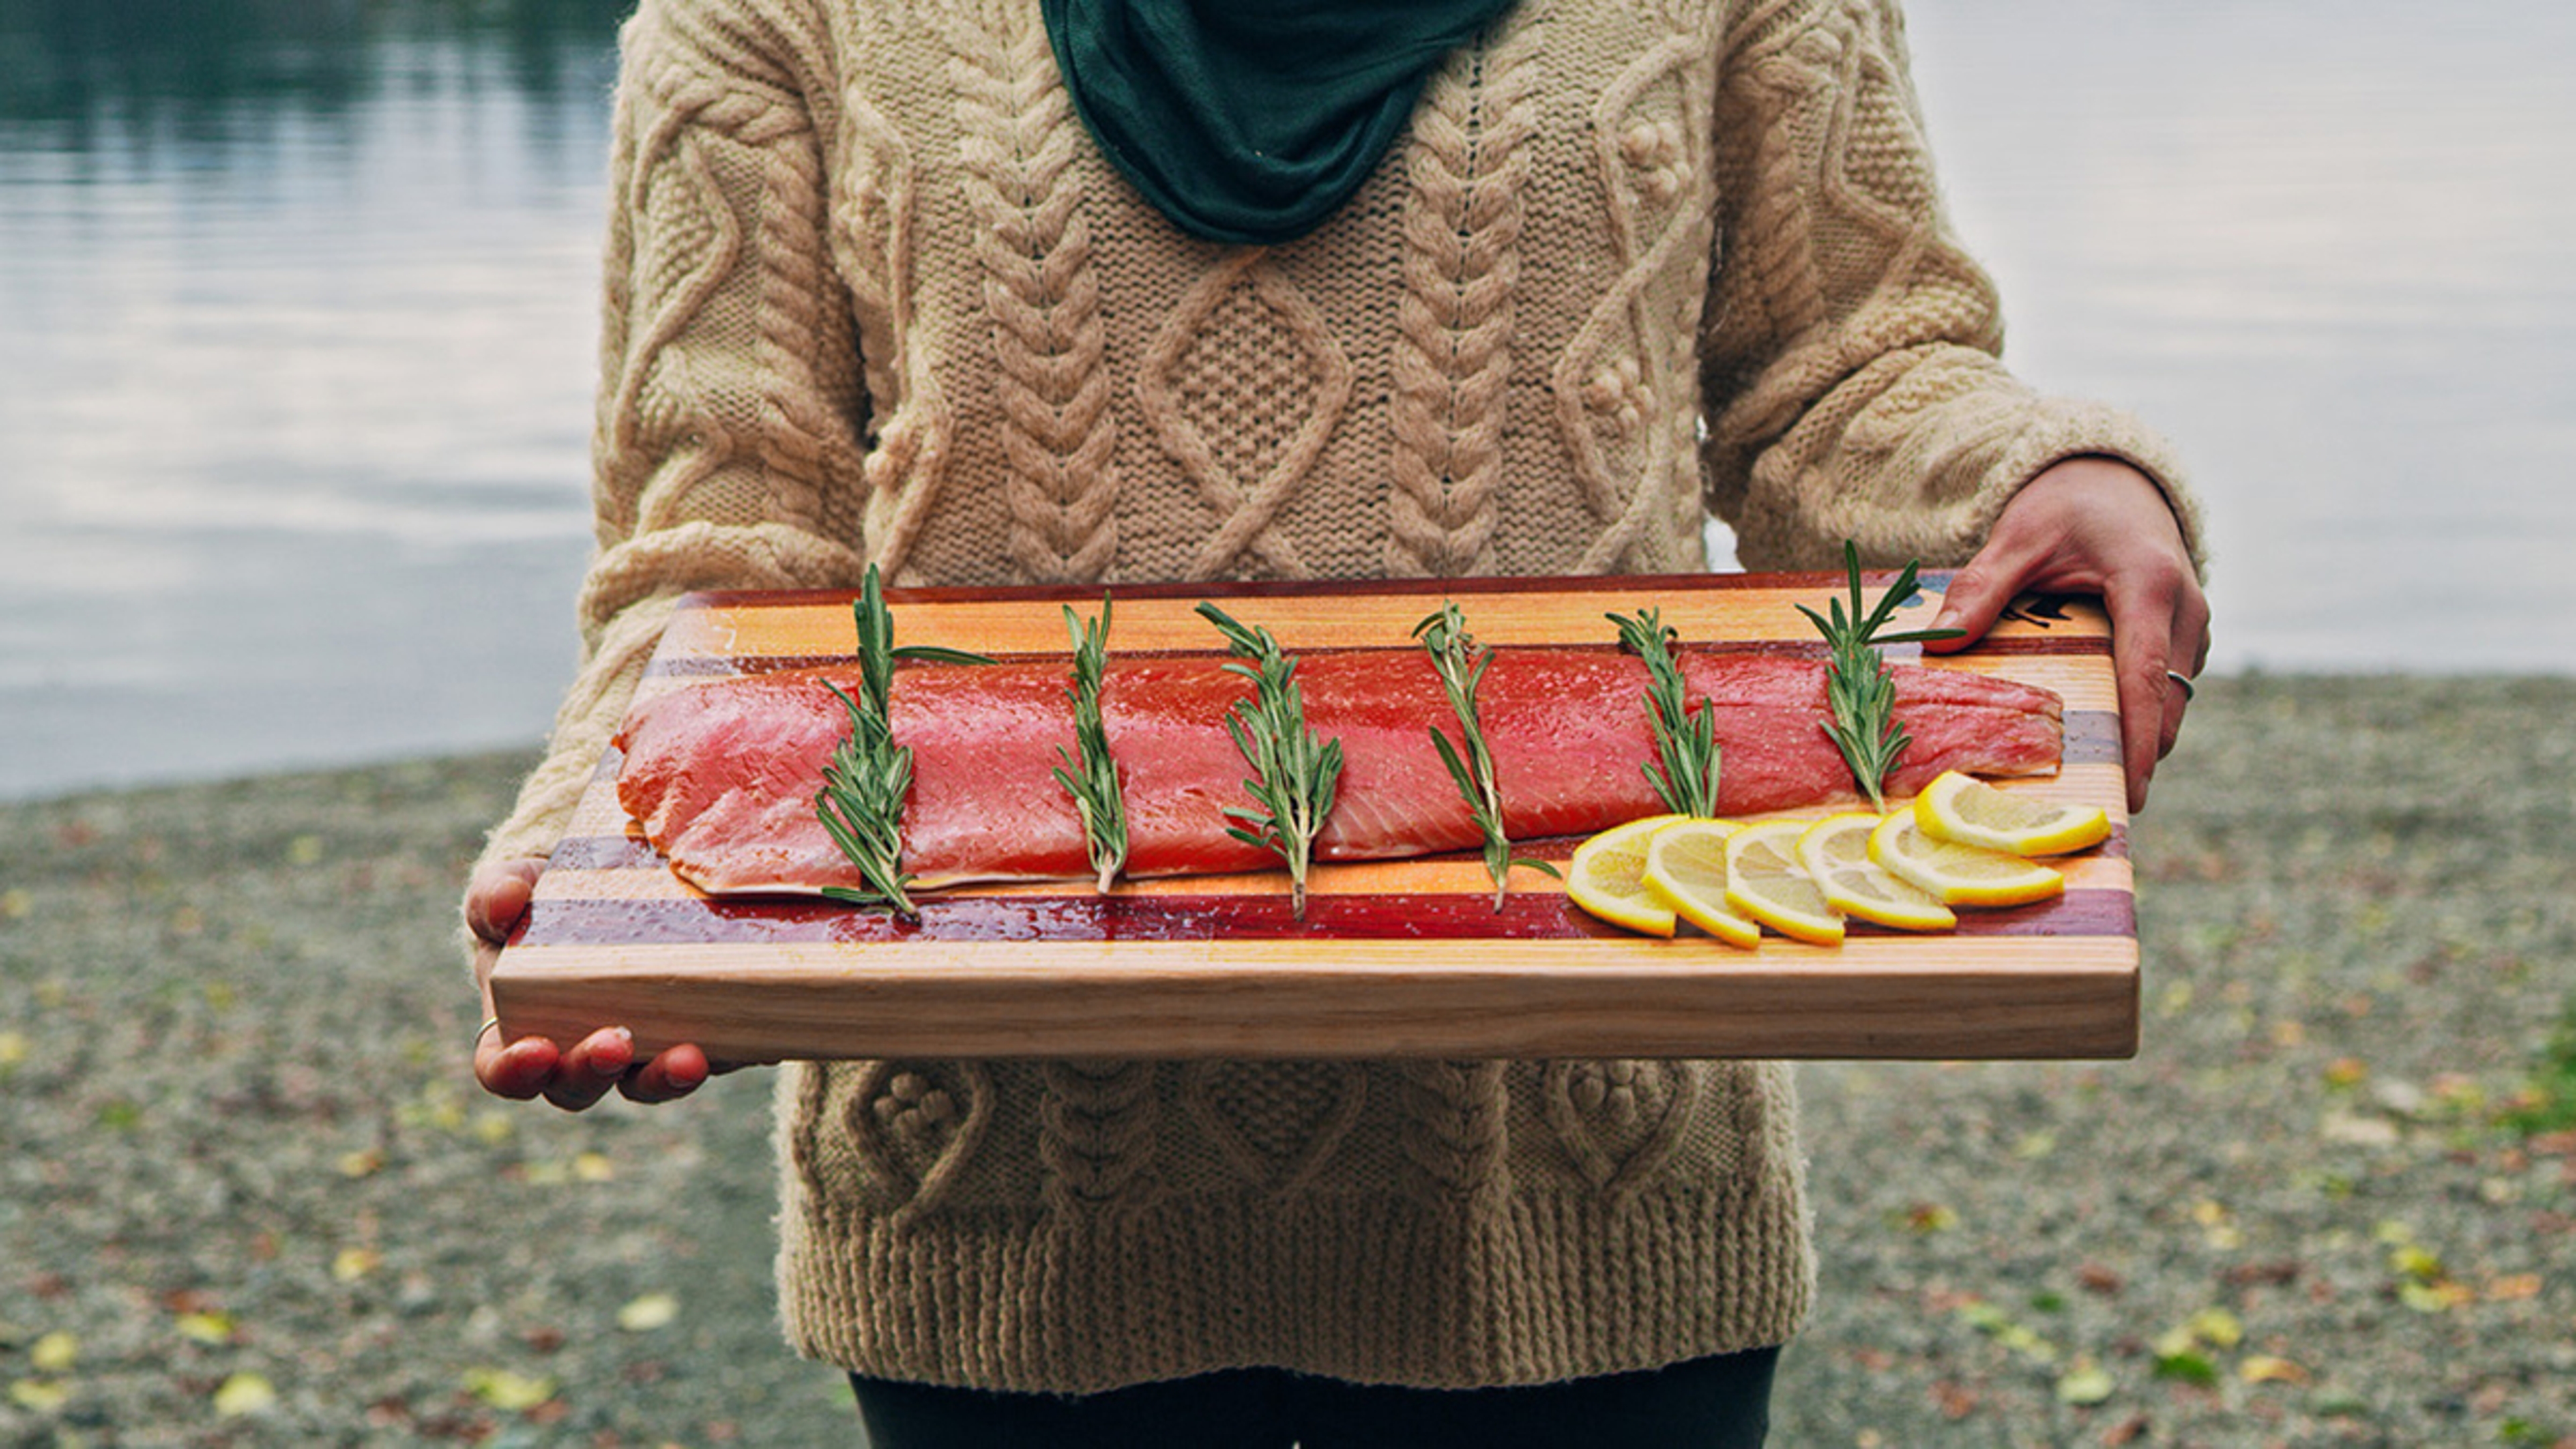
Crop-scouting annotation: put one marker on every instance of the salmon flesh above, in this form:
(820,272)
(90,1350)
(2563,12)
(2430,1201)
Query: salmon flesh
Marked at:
(722,775)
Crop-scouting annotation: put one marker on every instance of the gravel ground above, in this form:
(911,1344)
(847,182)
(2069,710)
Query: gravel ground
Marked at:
(248,1195)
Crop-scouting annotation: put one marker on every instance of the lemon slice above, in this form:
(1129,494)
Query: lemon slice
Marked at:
(1835,852)
(1764,881)
(1962,808)
(1686,870)
(1961,875)
(1607,877)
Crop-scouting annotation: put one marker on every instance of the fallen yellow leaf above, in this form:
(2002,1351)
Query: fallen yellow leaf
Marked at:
(54,1352)
(2085,1385)
(2217,1327)
(648,1311)
(2514,1286)
(207,1327)
(244,1394)
(351,1264)
(507,1391)
(2414,1262)
(2263,1368)
(39,1396)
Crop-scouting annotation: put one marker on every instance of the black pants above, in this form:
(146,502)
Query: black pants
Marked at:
(1709,1403)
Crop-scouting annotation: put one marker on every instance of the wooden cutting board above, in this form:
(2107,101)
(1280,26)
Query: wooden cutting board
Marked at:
(1394,959)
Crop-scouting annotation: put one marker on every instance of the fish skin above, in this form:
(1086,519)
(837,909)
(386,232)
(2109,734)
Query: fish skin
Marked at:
(722,775)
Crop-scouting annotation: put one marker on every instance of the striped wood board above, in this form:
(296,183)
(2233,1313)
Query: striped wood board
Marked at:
(1403,958)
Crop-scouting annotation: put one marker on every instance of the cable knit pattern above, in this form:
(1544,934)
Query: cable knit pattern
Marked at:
(1018,138)
(1244,387)
(1468,165)
(872,294)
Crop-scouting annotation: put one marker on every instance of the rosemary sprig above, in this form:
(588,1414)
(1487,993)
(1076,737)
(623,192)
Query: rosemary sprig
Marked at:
(868,776)
(1088,774)
(877,651)
(1859,693)
(1685,739)
(1294,774)
(1461,666)
(861,805)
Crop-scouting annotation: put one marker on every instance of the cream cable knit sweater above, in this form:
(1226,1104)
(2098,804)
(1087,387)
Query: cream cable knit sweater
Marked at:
(873,295)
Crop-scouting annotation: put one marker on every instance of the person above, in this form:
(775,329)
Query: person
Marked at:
(1113,290)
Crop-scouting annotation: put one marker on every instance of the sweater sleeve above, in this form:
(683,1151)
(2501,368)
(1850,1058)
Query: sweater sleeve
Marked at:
(1850,353)
(727,447)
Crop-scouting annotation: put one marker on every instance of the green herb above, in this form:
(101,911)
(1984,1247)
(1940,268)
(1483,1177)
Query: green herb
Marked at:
(1293,774)
(1088,774)
(861,805)
(1685,739)
(1859,693)
(1461,666)
(868,775)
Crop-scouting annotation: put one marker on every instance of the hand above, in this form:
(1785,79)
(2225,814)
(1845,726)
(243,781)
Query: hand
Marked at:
(2096,525)
(534,1066)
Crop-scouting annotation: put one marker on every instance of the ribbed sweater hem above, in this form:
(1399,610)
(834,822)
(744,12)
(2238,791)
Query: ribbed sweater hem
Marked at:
(1542,1288)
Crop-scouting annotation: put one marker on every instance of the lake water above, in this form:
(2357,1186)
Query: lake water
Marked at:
(297,328)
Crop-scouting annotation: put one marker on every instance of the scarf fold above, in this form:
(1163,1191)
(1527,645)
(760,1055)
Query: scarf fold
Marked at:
(1252,120)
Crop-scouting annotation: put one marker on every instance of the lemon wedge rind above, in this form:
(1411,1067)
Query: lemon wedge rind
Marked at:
(1965,810)
(1960,875)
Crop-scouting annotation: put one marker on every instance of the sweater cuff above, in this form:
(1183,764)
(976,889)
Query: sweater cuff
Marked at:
(2066,428)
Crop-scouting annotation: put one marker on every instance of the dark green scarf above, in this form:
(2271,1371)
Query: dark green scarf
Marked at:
(1251,120)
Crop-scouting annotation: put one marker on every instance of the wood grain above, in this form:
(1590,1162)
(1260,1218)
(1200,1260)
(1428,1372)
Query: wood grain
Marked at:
(1400,958)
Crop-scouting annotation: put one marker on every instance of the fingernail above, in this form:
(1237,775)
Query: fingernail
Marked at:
(619,1048)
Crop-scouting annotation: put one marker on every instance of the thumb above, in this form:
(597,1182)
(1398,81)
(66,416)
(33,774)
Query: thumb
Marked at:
(1976,598)
(499,895)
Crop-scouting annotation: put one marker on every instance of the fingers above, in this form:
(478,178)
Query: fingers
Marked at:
(2160,628)
(518,1070)
(590,1069)
(1978,595)
(576,1080)
(670,1075)
(2150,705)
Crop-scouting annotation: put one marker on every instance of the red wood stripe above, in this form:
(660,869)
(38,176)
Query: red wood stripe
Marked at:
(627,852)
(1006,919)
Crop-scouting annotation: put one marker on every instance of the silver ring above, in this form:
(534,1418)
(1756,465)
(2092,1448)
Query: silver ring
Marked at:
(489,1022)
(2185,681)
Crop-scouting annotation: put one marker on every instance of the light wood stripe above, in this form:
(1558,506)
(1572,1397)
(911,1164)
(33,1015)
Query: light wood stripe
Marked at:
(1991,998)
(821,626)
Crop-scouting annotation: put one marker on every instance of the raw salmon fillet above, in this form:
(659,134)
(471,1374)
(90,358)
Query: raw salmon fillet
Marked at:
(722,775)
